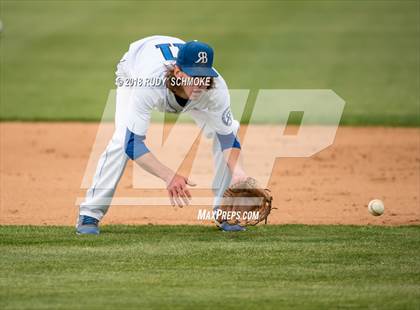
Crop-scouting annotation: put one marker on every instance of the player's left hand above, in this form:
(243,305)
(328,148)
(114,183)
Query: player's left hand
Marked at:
(238,176)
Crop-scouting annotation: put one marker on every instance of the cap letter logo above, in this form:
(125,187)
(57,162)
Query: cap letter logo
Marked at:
(202,58)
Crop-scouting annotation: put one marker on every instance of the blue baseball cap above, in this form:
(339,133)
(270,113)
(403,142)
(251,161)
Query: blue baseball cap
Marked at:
(196,59)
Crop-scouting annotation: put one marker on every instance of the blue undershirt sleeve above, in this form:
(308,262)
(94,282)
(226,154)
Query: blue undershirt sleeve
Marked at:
(134,145)
(228,141)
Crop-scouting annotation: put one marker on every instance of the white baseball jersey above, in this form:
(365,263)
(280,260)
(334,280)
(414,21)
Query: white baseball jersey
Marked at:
(150,59)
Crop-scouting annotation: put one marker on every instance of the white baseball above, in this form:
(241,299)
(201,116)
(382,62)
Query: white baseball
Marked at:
(376,207)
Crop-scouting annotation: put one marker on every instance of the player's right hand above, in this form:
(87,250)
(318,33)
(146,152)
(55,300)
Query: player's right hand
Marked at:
(178,192)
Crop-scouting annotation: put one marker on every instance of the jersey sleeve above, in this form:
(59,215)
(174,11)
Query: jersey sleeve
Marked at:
(219,117)
(140,111)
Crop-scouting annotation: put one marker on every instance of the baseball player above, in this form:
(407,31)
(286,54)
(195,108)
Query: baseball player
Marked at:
(207,102)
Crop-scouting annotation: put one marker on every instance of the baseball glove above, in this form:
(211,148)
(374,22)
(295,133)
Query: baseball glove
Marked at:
(244,203)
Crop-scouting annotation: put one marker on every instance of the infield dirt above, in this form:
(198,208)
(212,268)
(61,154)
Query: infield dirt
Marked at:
(42,165)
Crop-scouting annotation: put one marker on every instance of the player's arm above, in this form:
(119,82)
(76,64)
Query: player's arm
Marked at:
(222,122)
(136,149)
(233,159)
(231,148)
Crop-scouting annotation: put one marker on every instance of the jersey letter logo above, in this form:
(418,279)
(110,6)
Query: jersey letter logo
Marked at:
(227,117)
(202,58)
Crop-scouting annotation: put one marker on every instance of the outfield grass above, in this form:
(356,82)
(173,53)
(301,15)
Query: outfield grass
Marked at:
(293,266)
(58,57)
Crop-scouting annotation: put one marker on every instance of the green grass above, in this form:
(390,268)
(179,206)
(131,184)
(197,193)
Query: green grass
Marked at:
(58,57)
(292,266)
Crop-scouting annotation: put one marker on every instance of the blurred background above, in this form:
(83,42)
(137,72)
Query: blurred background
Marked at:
(58,58)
